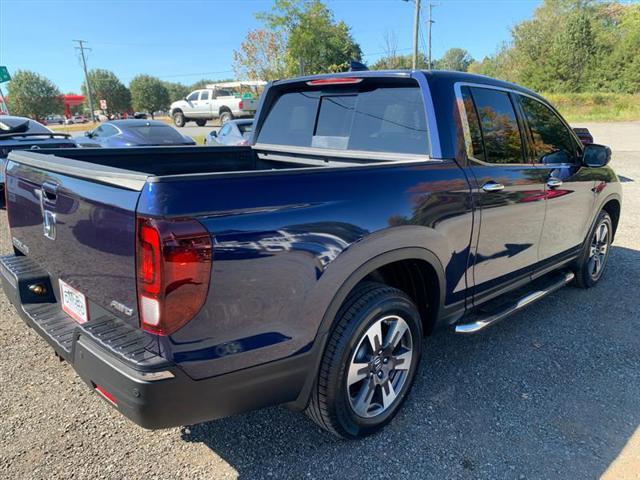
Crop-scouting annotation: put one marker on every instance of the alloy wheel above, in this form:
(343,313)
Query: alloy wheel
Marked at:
(599,250)
(379,366)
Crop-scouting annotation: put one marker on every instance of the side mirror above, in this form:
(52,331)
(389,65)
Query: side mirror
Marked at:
(88,134)
(596,155)
(214,133)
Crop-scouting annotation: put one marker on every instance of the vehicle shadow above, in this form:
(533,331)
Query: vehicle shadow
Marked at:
(553,391)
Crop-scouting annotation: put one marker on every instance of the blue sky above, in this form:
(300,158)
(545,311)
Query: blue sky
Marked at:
(186,40)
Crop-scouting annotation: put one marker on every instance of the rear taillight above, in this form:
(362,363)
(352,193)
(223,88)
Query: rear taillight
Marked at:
(173,269)
(241,105)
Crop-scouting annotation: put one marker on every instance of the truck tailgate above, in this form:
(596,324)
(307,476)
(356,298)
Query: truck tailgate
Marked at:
(81,231)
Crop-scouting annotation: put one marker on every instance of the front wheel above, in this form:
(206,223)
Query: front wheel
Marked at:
(178,119)
(593,261)
(369,363)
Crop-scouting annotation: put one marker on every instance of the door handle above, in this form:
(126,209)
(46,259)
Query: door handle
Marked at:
(554,182)
(492,187)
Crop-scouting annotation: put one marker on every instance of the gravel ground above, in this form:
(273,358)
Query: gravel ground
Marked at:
(552,393)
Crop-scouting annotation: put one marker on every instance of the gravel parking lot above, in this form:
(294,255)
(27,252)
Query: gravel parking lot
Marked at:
(554,392)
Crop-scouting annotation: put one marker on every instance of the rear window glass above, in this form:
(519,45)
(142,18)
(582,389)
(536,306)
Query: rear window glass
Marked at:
(157,133)
(385,119)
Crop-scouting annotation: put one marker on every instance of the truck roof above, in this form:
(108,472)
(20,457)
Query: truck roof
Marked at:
(441,76)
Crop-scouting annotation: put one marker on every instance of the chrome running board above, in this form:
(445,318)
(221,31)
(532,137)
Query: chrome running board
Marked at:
(481,321)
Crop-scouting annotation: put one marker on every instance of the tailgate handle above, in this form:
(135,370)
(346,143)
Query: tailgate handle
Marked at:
(49,192)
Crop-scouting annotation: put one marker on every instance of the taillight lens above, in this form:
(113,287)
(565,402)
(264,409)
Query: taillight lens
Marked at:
(173,269)
(241,105)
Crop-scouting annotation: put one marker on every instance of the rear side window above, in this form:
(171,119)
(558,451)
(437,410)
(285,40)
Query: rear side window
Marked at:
(204,95)
(552,141)
(499,126)
(385,119)
(477,150)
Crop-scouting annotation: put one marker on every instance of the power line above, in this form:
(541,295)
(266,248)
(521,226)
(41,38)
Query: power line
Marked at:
(86,75)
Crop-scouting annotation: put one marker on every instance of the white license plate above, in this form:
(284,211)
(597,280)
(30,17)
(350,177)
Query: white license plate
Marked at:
(74,303)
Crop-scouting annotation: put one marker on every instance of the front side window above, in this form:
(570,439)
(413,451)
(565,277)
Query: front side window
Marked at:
(552,141)
(384,119)
(499,126)
(193,96)
(224,130)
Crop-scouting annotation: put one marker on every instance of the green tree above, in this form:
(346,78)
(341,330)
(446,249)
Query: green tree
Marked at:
(32,95)
(455,59)
(106,86)
(177,91)
(572,46)
(315,42)
(148,94)
(261,56)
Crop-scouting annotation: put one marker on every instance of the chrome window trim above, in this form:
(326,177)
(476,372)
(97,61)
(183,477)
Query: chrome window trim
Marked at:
(457,86)
(349,154)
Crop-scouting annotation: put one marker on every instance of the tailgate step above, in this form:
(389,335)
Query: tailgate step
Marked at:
(131,345)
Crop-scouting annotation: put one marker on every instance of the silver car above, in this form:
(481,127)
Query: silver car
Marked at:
(234,132)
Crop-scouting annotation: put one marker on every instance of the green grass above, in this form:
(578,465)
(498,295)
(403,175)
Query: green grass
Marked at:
(596,107)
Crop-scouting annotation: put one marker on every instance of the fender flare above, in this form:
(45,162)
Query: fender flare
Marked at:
(356,275)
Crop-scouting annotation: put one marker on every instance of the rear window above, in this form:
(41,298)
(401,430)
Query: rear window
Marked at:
(383,119)
(157,133)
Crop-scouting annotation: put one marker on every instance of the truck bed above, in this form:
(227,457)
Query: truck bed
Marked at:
(131,168)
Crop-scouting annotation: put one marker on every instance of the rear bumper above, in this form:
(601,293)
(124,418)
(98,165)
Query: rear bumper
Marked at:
(112,355)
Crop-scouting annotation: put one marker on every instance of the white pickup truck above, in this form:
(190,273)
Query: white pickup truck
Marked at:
(218,100)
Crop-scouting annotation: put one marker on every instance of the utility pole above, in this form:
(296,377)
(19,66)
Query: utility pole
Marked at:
(429,23)
(86,75)
(416,26)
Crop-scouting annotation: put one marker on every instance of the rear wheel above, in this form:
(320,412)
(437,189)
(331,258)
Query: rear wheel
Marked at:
(593,261)
(178,119)
(225,117)
(201,123)
(370,362)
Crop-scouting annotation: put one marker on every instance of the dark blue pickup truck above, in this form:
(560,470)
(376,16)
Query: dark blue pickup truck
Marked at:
(190,283)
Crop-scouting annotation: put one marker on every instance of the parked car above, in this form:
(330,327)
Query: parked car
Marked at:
(215,101)
(372,208)
(234,132)
(133,133)
(79,119)
(139,115)
(54,119)
(22,133)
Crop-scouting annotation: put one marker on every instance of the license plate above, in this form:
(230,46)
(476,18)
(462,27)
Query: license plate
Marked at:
(74,303)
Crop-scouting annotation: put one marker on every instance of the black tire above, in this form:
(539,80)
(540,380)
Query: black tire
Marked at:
(331,404)
(178,119)
(225,116)
(201,123)
(586,273)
